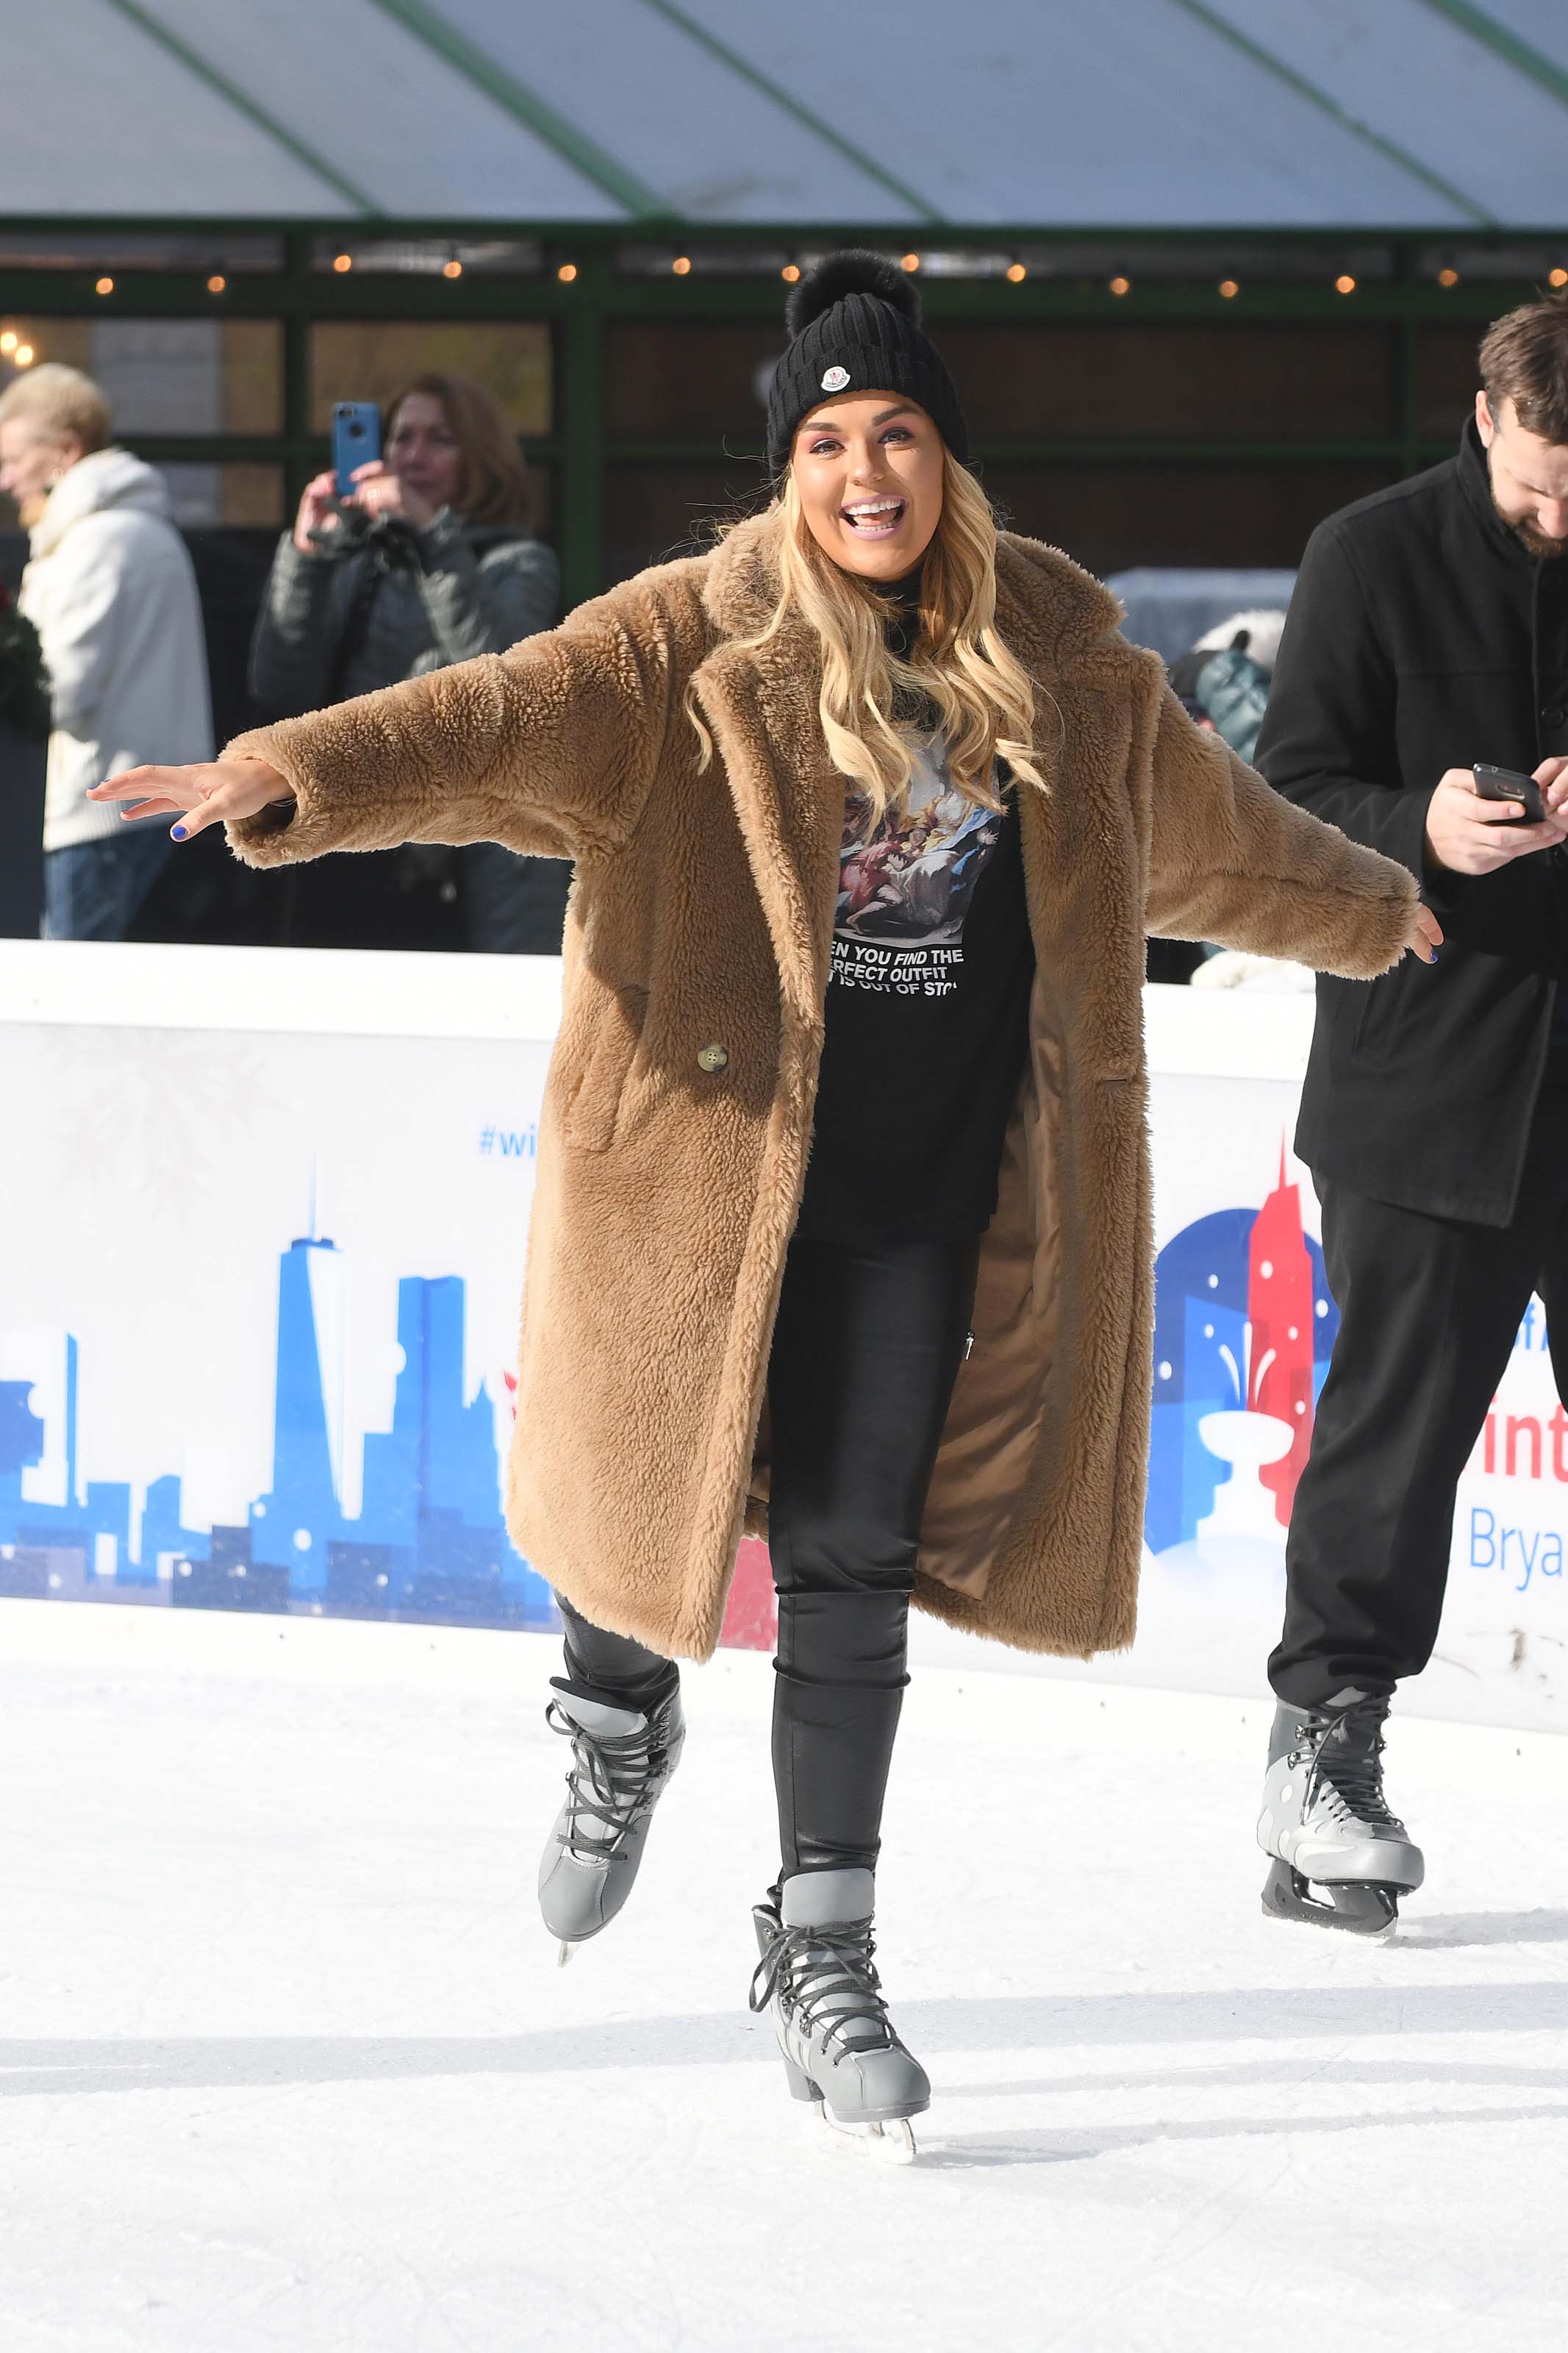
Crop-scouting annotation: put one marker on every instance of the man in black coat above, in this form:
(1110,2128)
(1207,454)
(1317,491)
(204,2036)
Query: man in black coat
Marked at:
(1428,632)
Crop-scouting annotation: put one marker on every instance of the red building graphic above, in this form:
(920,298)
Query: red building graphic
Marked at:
(1279,1307)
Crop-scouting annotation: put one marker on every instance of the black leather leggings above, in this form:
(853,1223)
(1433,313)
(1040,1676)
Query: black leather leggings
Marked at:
(865,1350)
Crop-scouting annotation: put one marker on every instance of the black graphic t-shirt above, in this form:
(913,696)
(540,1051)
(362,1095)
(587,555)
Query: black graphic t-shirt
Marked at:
(927,1018)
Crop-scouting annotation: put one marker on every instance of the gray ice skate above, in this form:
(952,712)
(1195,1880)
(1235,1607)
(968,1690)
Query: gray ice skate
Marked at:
(817,1975)
(1326,1823)
(621,1760)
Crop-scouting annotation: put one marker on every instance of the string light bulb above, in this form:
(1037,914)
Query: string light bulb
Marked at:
(1016,273)
(24,355)
(912,262)
(8,342)
(217,283)
(341,263)
(453,269)
(104,286)
(1344,283)
(568,272)
(1229,288)
(790,273)
(1557,278)
(1120,286)
(681,265)
(1449,276)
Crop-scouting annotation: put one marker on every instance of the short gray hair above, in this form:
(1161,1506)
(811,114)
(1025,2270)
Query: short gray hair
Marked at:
(57,400)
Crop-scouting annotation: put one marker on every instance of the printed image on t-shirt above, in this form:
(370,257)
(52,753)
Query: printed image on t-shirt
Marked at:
(905,889)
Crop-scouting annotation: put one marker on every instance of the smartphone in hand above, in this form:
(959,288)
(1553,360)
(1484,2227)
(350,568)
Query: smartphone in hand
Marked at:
(356,440)
(1508,785)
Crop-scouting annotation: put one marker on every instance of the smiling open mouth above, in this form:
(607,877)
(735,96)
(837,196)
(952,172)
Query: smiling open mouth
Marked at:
(875,518)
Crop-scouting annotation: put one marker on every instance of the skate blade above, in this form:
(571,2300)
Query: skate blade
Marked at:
(564,1953)
(892,2143)
(1359,1908)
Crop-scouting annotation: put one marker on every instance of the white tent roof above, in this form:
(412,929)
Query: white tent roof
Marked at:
(1436,114)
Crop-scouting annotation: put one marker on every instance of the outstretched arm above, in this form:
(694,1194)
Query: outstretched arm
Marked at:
(1230,861)
(549,749)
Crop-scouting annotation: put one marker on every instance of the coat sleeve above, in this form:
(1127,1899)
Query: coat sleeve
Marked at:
(1326,738)
(1229,860)
(483,604)
(85,622)
(298,631)
(549,749)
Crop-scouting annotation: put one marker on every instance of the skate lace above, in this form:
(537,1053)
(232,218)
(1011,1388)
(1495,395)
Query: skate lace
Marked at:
(811,1968)
(1346,1771)
(610,1782)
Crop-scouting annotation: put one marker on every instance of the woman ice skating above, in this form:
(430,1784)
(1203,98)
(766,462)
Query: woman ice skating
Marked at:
(842,1231)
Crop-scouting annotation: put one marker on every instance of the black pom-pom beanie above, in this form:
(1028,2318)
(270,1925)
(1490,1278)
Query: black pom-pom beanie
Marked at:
(855,326)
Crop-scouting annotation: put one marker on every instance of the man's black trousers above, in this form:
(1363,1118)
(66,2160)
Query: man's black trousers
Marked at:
(1430,1308)
(866,1351)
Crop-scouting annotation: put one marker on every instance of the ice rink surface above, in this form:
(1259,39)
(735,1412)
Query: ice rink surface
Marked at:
(287,2062)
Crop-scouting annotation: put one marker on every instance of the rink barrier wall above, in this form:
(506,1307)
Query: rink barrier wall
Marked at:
(262,1239)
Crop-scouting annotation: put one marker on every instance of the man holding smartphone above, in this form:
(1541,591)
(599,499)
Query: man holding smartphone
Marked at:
(1429,634)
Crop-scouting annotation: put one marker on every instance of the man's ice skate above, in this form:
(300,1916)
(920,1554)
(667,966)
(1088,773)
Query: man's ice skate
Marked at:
(621,1760)
(1327,1824)
(817,1975)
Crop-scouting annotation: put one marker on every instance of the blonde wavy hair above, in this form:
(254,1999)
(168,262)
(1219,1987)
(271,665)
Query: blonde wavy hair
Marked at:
(958,679)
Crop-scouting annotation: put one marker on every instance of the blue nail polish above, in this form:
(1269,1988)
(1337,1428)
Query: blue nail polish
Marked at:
(179,832)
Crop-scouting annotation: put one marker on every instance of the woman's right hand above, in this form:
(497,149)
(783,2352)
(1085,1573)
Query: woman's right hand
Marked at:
(217,792)
(1425,937)
(316,512)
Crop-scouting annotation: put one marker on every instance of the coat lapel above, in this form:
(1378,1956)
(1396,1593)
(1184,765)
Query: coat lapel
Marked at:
(1082,862)
(760,705)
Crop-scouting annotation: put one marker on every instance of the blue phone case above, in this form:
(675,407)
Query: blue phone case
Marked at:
(356,439)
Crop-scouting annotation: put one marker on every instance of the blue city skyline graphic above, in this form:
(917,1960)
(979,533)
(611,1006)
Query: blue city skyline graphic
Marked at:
(428,1540)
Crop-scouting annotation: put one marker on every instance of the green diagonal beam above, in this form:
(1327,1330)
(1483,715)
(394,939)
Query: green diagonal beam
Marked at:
(1321,98)
(242,101)
(1484,27)
(524,105)
(790,104)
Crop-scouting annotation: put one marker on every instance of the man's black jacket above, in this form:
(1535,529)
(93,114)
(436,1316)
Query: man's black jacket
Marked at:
(1422,637)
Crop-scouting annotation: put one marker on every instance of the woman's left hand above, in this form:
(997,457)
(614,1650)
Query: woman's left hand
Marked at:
(1426,936)
(379,491)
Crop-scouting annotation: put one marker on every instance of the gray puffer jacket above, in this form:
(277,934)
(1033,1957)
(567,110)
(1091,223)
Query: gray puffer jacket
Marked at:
(401,603)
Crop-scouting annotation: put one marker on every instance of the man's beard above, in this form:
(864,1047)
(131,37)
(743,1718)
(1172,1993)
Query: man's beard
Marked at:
(1535,542)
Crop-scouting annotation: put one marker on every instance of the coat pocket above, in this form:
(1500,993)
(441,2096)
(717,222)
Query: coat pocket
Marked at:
(1380,1018)
(593,1115)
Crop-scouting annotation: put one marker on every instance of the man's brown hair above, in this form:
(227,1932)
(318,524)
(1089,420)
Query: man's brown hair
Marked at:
(1524,358)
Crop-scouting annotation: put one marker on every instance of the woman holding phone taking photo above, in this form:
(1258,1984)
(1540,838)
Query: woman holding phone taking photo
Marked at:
(842,1230)
(429,560)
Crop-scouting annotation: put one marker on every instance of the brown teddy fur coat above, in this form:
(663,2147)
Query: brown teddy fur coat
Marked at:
(669,1176)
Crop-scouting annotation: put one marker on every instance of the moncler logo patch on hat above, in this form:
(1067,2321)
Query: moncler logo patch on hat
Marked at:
(836,379)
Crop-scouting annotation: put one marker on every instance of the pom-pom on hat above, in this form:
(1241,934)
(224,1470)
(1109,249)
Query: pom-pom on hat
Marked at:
(855,326)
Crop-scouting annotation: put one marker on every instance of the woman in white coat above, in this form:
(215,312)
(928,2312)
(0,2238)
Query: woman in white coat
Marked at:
(111,591)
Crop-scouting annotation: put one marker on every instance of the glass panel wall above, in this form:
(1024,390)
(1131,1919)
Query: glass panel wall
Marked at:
(372,359)
(164,375)
(1110,517)
(239,496)
(1202,397)
(168,380)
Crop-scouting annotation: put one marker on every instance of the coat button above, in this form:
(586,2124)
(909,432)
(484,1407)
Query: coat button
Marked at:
(1552,715)
(712,1058)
